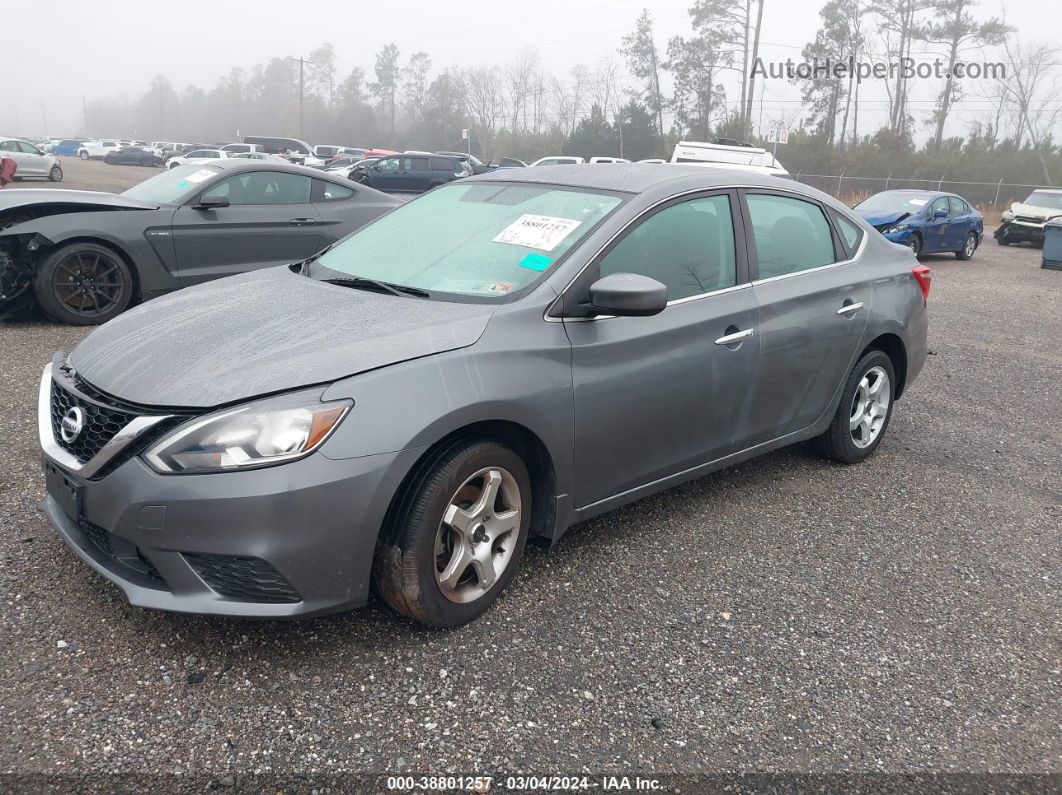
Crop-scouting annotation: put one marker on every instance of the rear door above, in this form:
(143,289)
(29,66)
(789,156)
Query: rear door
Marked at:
(814,302)
(962,221)
(657,395)
(419,176)
(270,221)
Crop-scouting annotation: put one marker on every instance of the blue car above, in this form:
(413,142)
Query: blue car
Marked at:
(927,222)
(68,146)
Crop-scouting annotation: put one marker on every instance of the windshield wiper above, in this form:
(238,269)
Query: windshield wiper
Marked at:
(361,283)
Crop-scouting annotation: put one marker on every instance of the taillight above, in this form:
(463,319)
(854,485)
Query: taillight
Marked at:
(924,277)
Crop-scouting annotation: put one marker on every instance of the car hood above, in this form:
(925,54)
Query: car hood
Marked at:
(882,219)
(264,332)
(82,199)
(1032,211)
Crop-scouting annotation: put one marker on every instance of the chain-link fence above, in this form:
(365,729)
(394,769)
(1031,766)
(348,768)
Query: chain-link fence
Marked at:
(988,196)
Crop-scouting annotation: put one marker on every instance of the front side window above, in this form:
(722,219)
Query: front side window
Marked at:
(263,187)
(939,204)
(689,247)
(390,164)
(791,235)
(484,240)
(29,149)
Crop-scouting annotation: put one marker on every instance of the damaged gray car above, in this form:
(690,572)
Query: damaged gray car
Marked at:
(84,257)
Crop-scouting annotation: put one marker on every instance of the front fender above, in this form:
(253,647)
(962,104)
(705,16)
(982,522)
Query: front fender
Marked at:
(416,403)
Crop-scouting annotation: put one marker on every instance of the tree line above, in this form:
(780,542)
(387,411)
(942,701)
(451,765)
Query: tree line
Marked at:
(651,94)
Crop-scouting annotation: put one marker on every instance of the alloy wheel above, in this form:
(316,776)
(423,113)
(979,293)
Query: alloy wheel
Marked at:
(971,245)
(88,283)
(478,535)
(870,407)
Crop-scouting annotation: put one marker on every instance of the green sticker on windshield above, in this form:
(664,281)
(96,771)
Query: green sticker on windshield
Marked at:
(535,262)
(182,184)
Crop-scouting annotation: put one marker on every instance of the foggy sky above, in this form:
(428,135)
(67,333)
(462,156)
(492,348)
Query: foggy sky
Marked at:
(58,51)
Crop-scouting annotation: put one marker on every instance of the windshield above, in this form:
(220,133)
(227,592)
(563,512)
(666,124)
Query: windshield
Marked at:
(173,185)
(486,240)
(1039,198)
(895,201)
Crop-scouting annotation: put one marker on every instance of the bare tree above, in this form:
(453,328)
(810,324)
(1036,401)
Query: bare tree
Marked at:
(484,95)
(954,28)
(1031,86)
(521,77)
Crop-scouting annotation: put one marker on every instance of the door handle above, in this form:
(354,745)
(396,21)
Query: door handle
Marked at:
(302,221)
(737,336)
(849,309)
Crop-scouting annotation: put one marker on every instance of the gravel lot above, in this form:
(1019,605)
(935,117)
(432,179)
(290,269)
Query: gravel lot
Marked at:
(784,615)
(92,175)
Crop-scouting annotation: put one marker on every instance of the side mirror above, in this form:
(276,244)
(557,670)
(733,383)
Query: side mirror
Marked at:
(627,294)
(940,213)
(211,202)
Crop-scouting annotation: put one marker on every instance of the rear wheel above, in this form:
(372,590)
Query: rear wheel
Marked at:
(83,155)
(453,545)
(83,284)
(864,411)
(969,246)
(56,174)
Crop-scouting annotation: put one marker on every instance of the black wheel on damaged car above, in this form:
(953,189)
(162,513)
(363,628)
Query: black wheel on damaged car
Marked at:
(914,242)
(455,537)
(83,284)
(863,414)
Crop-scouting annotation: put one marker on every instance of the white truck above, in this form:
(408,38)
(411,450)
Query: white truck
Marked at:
(728,155)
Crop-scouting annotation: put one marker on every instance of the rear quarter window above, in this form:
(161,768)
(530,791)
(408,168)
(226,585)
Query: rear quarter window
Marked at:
(324,191)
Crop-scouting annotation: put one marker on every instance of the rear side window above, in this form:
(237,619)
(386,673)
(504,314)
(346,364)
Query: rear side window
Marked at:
(791,235)
(442,164)
(689,247)
(330,192)
(419,164)
(958,206)
(851,233)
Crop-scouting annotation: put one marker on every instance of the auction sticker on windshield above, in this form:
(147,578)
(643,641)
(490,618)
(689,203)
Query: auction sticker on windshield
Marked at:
(544,232)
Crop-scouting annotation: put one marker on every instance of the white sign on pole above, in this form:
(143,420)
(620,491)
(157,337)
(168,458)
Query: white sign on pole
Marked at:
(464,133)
(780,136)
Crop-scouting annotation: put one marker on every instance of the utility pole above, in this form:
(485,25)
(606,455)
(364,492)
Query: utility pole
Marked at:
(302,83)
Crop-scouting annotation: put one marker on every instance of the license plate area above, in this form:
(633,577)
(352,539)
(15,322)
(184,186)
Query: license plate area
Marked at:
(63,489)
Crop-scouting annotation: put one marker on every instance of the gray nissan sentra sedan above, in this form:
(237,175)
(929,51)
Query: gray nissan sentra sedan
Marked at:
(502,357)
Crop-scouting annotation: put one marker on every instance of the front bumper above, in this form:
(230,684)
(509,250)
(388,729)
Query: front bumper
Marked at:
(1020,232)
(293,540)
(901,237)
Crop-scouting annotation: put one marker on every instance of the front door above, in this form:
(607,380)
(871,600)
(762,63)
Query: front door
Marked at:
(814,304)
(269,221)
(389,173)
(938,232)
(658,395)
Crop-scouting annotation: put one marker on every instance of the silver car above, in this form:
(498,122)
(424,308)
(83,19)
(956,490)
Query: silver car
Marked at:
(32,162)
(502,357)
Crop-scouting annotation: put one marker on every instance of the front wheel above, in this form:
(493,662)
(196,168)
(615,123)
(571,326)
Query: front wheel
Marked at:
(174,165)
(83,155)
(864,411)
(914,242)
(55,175)
(83,284)
(453,545)
(968,247)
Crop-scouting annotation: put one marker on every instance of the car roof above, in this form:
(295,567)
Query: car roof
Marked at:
(246,164)
(631,177)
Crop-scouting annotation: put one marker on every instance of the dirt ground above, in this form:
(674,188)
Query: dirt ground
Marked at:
(92,175)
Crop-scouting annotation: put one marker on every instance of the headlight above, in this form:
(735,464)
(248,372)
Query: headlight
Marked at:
(1007,215)
(259,434)
(893,229)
